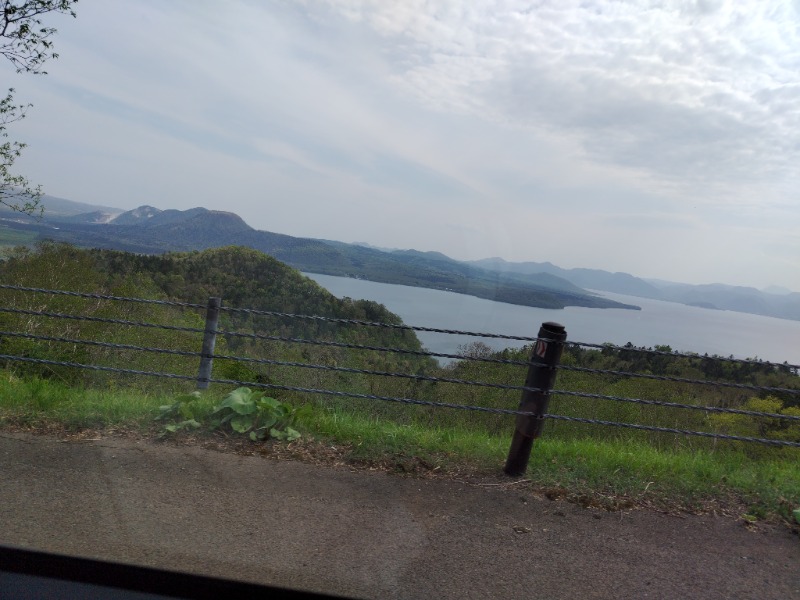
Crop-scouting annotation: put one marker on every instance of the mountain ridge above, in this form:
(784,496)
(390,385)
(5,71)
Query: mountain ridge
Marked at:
(147,229)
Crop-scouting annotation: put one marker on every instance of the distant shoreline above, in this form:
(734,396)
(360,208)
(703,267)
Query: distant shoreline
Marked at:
(605,303)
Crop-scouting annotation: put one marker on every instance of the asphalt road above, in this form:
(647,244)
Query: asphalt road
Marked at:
(367,534)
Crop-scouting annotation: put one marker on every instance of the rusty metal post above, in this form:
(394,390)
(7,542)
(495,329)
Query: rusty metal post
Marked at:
(541,375)
(209,341)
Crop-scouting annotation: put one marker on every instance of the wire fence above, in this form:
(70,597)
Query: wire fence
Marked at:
(50,346)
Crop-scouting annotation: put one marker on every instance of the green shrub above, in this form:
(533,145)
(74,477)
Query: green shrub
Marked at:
(241,411)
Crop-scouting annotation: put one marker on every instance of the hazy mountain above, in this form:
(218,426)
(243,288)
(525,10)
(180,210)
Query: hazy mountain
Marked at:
(184,225)
(366,245)
(447,268)
(137,216)
(61,207)
(716,296)
(730,297)
(150,230)
(593,279)
(95,217)
(777,290)
(428,256)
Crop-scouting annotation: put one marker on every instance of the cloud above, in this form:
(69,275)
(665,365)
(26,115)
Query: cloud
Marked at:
(691,93)
(463,127)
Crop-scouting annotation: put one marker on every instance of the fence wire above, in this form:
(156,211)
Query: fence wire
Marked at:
(716,409)
(720,436)
(124,322)
(606,346)
(271,313)
(411,401)
(341,321)
(742,386)
(417,377)
(504,386)
(691,355)
(100,296)
(293,340)
(412,376)
(94,343)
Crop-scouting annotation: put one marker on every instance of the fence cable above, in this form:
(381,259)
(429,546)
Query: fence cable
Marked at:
(102,296)
(271,313)
(412,376)
(55,315)
(606,346)
(277,338)
(721,436)
(717,409)
(343,321)
(112,345)
(405,351)
(504,386)
(744,386)
(690,355)
(499,411)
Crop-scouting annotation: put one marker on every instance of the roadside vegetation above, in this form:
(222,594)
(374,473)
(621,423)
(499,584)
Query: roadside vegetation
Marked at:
(598,466)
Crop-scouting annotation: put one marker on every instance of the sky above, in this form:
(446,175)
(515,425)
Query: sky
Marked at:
(660,139)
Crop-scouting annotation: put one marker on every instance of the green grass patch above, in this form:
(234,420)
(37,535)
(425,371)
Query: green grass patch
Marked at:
(375,439)
(38,402)
(668,477)
(759,486)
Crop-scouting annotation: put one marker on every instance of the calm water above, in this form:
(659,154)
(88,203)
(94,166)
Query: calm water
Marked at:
(684,328)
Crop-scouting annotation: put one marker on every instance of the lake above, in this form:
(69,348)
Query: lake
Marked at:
(683,328)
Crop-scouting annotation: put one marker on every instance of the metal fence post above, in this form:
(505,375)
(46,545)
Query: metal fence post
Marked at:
(209,341)
(541,375)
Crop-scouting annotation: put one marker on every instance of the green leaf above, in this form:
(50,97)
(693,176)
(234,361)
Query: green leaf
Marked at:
(796,513)
(182,406)
(174,427)
(239,401)
(241,423)
(186,410)
(258,434)
(268,422)
(277,434)
(268,403)
(292,434)
(167,411)
(187,398)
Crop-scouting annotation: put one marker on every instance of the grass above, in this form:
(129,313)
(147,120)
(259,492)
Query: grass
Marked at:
(613,471)
(40,401)
(608,473)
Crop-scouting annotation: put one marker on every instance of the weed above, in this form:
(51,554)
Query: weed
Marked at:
(242,411)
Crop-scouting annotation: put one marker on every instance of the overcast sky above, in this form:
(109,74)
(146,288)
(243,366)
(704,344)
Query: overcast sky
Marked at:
(657,138)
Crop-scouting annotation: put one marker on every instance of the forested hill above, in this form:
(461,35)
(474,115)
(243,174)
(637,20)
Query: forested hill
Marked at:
(147,230)
(242,277)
